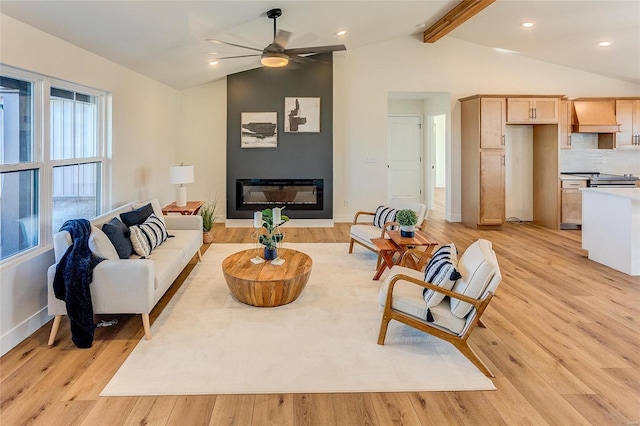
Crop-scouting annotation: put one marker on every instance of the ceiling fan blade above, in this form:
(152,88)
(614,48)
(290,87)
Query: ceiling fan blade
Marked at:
(282,38)
(233,44)
(239,56)
(302,59)
(317,49)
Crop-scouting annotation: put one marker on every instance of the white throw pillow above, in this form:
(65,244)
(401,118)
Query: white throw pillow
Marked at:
(147,236)
(100,245)
(441,271)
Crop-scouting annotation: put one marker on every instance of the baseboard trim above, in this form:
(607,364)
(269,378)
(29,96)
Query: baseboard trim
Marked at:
(26,328)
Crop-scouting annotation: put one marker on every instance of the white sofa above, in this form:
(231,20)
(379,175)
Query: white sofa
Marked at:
(135,285)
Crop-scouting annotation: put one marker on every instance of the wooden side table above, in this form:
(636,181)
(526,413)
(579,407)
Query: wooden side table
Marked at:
(396,243)
(192,207)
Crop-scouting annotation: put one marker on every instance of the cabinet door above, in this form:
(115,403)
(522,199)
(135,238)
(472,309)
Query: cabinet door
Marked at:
(628,116)
(545,110)
(492,188)
(492,122)
(519,110)
(571,206)
(564,125)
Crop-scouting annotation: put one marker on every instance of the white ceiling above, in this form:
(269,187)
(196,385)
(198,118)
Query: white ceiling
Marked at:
(166,40)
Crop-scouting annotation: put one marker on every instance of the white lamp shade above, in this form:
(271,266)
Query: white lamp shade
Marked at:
(181,174)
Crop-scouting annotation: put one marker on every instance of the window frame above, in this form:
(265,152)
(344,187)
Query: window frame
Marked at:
(42,162)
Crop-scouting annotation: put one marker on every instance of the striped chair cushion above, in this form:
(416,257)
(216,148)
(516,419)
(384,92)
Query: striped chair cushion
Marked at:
(148,235)
(384,215)
(441,271)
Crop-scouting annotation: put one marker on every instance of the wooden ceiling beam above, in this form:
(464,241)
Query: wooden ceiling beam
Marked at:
(464,11)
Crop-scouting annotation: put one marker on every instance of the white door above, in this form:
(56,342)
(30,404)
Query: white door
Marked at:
(404,167)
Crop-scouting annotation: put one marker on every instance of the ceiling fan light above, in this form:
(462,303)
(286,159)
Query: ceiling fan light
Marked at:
(274,59)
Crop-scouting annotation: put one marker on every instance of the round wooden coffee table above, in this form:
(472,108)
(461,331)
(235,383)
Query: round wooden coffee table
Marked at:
(265,284)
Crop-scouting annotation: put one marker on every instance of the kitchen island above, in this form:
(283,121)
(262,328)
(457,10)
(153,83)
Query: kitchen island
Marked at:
(611,227)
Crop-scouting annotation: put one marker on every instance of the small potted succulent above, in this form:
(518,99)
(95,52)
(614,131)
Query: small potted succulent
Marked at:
(271,221)
(407,219)
(208,213)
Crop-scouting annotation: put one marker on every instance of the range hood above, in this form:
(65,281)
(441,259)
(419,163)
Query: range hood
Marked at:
(595,117)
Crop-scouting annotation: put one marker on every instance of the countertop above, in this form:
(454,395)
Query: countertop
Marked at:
(572,177)
(631,193)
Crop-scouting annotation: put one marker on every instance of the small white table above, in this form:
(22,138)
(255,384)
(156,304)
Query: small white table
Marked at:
(611,227)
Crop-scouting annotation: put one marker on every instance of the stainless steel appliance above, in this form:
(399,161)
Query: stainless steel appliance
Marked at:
(604,180)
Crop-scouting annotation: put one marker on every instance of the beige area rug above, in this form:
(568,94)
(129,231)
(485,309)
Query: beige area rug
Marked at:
(206,342)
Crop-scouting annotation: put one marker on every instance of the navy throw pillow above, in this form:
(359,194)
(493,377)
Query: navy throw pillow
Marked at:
(118,234)
(137,216)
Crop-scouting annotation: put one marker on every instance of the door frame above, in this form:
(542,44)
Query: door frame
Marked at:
(422,152)
(431,152)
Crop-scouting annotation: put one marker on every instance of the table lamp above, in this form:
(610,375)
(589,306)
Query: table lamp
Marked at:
(179,175)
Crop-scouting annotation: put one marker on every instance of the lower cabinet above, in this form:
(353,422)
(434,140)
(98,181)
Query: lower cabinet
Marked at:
(571,203)
(492,187)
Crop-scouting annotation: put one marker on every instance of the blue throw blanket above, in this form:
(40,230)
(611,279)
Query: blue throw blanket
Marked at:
(71,282)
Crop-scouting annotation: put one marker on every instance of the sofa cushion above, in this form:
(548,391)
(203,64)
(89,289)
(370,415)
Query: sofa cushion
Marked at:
(148,235)
(101,246)
(384,215)
(477,265)
(137,216)
(441,271)
(118,234)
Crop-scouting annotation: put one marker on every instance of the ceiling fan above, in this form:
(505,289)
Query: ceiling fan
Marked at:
(276,54)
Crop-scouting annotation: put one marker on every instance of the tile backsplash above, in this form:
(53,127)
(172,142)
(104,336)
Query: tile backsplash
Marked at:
(584,156)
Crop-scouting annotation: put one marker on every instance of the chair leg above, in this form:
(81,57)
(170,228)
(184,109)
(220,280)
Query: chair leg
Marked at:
(147,326)
(384,324)
(466,350)
(199,256)
(481,324)
(54,329)
(351,245)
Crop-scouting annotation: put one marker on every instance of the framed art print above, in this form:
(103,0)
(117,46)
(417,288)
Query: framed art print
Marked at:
(302,115)
(259,130)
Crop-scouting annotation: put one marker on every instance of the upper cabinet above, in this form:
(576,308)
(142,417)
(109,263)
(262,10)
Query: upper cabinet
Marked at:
(564,125)
(492,121)
(628,116)
(532,110)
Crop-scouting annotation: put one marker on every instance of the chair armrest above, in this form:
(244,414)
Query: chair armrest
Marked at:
(475,302)
(423,225)
(387,227)
(178,222)
(415,258)
(355,217)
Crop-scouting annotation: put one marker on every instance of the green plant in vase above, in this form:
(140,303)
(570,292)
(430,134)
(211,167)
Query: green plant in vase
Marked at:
(271,221)
(407,219)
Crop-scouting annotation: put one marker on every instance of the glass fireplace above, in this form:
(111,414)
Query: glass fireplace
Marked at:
(294,194)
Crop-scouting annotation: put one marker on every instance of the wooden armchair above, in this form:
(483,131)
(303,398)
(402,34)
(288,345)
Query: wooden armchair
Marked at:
(362,232)
(458,314)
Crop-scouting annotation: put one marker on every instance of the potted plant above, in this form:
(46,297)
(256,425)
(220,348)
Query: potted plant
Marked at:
(273,234)
(407,219)
(208,213)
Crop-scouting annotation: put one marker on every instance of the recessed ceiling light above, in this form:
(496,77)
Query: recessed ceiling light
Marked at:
(421,25)
(213,63)
(341,32)
(604,43)
(527,24)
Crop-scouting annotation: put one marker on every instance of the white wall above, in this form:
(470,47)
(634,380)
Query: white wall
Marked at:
(144,131)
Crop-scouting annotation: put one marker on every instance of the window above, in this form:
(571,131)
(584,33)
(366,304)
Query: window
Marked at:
(49,172)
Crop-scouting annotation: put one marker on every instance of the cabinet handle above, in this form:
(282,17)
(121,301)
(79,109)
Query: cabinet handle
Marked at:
(503,160)
(535,113)
(569,139)
(531,113)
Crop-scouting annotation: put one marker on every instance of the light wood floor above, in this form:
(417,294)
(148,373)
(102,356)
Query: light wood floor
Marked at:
(562,339)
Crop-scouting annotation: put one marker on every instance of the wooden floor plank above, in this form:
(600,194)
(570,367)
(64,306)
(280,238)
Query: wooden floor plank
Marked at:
(151,410)
(273,410)
(232,410)
(192,410)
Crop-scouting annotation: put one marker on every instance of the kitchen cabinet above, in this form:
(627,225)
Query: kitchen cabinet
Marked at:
(532,110)
(564,125)
(628,116)
(571,204)
(483,165)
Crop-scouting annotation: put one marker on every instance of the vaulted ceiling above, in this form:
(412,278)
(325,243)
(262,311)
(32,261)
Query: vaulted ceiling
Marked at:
(167,40)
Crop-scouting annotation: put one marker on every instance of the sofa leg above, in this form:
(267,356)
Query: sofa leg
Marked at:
(54,329)
(147,326)
(199,256)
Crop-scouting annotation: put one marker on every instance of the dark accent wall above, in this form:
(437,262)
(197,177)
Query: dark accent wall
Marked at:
(298,155)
